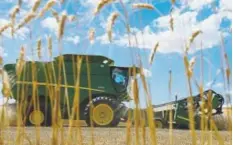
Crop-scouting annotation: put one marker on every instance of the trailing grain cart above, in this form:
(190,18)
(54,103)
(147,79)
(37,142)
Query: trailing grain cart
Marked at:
(180,114)
(103,90)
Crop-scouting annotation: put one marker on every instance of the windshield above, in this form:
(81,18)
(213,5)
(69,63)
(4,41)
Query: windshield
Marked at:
(120,79)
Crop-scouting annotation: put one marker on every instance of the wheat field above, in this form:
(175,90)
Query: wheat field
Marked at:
(110,136)
(124,134)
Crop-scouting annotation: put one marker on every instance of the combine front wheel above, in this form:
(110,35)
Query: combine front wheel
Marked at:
(104,113)
(158,124)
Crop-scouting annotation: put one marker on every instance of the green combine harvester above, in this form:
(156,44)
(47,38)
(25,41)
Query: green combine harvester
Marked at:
(212,105)
(38,84)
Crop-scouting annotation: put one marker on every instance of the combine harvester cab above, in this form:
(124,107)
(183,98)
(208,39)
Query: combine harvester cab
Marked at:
(180,114)
(38,83)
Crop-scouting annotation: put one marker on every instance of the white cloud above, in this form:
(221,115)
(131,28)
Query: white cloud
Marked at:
(185,23)
(218,85)
(209,84)
(50,23)
(104,38)
(226,8)
(226,5)
(29,3)
(2,53)
(197,4)
(73,39)
(212,84)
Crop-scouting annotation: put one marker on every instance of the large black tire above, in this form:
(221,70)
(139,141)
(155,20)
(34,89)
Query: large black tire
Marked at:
(44,108)
(112,103)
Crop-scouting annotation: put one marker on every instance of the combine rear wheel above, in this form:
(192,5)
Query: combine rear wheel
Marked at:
(104,112)
(38,117)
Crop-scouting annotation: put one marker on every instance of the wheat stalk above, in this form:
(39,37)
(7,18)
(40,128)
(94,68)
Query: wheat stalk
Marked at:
(110,23)
(191,39)
(143,5)
(36,5)
(173,2)
(194,35)
(62,25)
(6,87)
(55,14)
(92,35)
(188,67)
(13,13)
(39,48)
(20,63)
(26,20)
(153,53)
(47,6)
(4,27)
(171,22)
(101,4)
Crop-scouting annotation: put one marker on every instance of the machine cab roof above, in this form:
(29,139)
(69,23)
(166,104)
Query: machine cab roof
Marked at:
(91,58)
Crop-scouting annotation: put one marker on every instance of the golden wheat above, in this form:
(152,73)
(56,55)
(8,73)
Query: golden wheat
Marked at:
(55,14)
(153,53)
(173,1)
(36,5)
(4,27)
(194,35)
(47,6)
(191,39)
(171,22)
(143,5)
(101,4)
(110,23)
(6,87)
(62,25)
(13,13)
(92,35)
(20,62)
(186,63)
(26,20)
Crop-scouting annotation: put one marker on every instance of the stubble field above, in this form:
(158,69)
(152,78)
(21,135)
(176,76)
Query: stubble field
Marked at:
(109,136)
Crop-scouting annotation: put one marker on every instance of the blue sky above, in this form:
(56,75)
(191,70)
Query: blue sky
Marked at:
(148,26)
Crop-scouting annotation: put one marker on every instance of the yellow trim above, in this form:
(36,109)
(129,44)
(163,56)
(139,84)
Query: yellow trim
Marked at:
(50,84)
(183,118)
(106,111)
(38,116)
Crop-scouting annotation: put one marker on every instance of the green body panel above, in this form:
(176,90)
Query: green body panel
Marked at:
(101,81)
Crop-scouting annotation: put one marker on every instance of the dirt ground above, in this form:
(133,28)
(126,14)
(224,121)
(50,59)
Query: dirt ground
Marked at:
(107,136)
